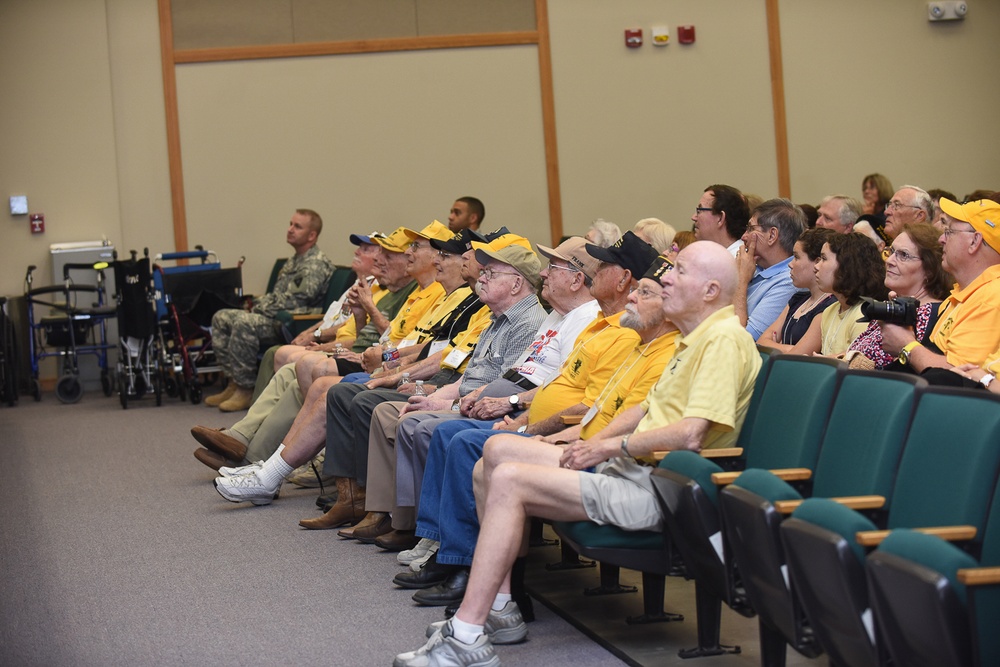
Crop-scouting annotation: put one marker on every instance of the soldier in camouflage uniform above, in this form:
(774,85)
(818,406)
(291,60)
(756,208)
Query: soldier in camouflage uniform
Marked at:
(237,335)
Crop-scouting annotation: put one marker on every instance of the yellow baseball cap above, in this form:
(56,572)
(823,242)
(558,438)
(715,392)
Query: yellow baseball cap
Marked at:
(982,214)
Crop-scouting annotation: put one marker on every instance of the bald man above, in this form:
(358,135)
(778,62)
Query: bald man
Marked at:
(699,402)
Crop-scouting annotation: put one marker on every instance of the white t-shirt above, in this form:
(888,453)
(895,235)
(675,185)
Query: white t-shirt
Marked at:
(554,341)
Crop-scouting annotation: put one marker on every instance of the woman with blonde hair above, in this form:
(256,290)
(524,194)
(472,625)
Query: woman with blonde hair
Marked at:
(656,233)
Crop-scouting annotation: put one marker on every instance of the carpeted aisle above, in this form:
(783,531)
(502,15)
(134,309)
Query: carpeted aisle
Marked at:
(116,550)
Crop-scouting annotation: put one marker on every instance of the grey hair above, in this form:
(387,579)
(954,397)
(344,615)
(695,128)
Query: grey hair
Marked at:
(850,209)
(923,200)
(608,232)
(786,217)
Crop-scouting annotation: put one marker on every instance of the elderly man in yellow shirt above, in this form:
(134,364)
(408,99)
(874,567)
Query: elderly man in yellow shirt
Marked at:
(700,401)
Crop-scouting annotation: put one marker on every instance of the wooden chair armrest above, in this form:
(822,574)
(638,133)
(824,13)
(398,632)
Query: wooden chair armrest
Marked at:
(873,538)
(722,452)
(571,420)
(787,474)
(308,316)
(980,576)
(718,453)
(853,502)
(725,478)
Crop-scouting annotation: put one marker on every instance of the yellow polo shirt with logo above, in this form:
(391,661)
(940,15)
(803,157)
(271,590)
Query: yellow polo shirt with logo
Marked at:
(968,329)
(711,376)
(441,310)
(465,342)
(418,304)
(632,380)
(598,351)
(349,331)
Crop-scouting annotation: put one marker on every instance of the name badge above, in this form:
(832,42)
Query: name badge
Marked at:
(589,417)
(406,342)
(455,358)
(437,346)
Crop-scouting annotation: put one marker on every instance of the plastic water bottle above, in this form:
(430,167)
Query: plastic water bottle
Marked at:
(403,380)
(419,389)
(390,357)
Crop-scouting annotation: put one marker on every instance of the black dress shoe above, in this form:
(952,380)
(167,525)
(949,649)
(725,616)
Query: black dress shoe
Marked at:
(431,574)
(451,591)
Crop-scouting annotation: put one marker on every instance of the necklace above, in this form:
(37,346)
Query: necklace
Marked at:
(834,335)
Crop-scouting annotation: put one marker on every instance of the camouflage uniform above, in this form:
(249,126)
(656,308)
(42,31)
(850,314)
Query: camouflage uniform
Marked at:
(237,335)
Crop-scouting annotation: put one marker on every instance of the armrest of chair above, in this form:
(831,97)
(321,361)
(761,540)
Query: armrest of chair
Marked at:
(852,502)
(571,420)
(311,317)
(873,538)
(979,576)
(787,474)
(719,453)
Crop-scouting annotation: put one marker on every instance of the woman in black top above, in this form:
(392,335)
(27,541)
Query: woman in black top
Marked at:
(809,301)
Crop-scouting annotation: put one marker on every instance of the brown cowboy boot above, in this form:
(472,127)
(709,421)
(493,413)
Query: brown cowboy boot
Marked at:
(349,508)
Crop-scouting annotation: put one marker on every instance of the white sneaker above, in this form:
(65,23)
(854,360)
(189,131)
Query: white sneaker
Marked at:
(236,471)
(424,548)
(506,626)
(248,486)
(443,650)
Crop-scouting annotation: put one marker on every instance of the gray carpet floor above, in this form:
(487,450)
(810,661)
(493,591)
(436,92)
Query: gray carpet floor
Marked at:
(117,550)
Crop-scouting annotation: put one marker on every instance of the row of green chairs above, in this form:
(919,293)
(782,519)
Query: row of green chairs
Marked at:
(947,477)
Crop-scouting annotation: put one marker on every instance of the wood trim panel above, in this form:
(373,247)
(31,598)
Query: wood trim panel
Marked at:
(549,121)
(778,98)
(175,165)
(170,59)
(356,46)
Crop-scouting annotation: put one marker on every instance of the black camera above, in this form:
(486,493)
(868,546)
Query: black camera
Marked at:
(901,310)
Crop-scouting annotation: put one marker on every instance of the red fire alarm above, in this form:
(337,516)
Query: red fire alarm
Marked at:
(633,38)
(685,34)
(37,223)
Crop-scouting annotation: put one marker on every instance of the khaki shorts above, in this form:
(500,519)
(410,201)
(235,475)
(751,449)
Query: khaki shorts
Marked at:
(620,494)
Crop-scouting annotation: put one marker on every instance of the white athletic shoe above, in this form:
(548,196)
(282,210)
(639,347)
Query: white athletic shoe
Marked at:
(443,650)
(506,626)
(248,486)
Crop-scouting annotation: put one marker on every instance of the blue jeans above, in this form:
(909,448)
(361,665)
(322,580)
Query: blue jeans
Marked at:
(447,511)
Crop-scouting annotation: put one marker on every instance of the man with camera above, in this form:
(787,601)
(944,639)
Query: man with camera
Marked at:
(968,328)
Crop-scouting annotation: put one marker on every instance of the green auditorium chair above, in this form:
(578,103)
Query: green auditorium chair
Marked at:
(790,415)
(946,478)
(858,455)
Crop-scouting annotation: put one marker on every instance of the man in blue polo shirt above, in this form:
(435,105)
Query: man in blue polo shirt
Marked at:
(765,285)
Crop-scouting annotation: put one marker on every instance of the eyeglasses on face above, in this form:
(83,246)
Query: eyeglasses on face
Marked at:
(896,205)
(950,231)
(902,255)
(489,274)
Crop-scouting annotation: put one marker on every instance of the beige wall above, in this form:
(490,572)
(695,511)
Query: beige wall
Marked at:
(393,138)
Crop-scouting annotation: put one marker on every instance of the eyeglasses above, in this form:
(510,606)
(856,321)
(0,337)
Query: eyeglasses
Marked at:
(444,254)
(902,255)
(700,209)
(563,268)
(489,274)
(755,228)
(645,293)
(417,245)
(896,205)
(949,231)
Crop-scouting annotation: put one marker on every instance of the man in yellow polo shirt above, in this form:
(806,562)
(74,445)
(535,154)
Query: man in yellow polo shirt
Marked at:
(968,328)
(714,368)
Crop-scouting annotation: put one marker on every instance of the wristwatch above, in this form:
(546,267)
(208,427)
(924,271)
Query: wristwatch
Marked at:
(987,379)
(515,402)
(625,446)
(904,354)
